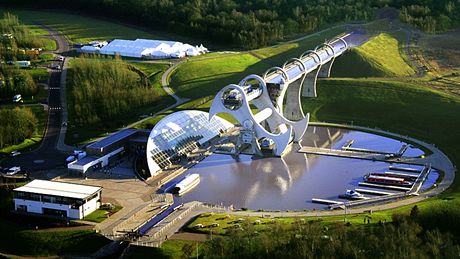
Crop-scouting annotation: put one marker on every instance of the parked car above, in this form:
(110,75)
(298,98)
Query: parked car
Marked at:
(17,99)
(70,159)
(13,170)
(15,153)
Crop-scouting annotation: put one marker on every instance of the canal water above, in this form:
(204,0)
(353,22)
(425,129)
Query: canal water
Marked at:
(290,182)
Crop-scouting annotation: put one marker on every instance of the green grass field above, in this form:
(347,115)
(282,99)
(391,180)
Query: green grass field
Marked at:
(404,108)
(198,78)
(278,54)
(153,71)
(383,53)
(229,222)
(169,249)
(39,74)
(49,44)
(100,215)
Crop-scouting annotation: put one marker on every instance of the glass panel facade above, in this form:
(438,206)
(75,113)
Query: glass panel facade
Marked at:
(180,133)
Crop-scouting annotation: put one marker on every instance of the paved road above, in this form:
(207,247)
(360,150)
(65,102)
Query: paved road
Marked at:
(47,156)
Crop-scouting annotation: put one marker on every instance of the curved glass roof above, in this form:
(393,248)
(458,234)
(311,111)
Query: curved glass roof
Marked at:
(179,133)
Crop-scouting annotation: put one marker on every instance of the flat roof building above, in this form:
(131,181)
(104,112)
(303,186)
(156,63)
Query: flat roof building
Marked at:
(101,152)
(110,143)
(66,200)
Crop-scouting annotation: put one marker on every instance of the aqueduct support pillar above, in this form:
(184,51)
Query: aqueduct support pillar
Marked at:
(309,84)
(293,110)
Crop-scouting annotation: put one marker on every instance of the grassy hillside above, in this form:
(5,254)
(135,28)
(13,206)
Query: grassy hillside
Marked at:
(404,108)
(383,52)
(360,68)
(278,54)
(202,77)
(379,57)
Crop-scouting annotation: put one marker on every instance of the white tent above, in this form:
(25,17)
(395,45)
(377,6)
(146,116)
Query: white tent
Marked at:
(158,54)
(144,48)
(192,52)
(89,49)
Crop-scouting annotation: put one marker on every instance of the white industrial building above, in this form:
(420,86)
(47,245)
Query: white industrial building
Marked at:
(143,48)
(58,199)
(179,133)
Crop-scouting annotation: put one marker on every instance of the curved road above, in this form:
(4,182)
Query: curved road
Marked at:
(165,84)
(47,156)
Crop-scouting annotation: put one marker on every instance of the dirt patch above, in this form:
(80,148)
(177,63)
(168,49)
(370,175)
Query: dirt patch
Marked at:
(442,50)
(191,236)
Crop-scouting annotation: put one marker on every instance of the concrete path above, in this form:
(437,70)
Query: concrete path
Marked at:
(165,83)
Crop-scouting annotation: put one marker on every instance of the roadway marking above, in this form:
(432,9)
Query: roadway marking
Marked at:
(55,108)
(54,88)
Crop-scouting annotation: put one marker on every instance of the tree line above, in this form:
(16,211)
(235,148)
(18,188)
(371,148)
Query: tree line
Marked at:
(15,81)
(103,89)
(16,125)
(14,37)
(252,24)
(407,236)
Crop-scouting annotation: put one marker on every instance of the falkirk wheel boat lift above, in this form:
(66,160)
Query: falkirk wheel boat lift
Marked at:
(276,125)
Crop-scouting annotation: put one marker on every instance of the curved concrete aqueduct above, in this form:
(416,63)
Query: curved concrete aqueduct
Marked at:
(274,123)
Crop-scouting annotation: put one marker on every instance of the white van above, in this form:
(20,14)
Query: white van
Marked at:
(17,98)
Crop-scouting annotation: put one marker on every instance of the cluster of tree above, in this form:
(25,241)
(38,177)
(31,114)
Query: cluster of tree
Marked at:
(403,238)
(16,125)
(14,37)
(15,81)
(103,89)
(251,24)
(431,15)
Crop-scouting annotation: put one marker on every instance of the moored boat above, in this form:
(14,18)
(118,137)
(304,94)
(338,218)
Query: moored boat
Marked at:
(188,183)
(383,179)
(353,194)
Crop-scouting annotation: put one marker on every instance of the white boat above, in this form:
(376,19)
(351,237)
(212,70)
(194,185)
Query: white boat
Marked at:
(353,194)
(188,183)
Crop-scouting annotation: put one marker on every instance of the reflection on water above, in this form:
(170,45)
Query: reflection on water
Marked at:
(291,182)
